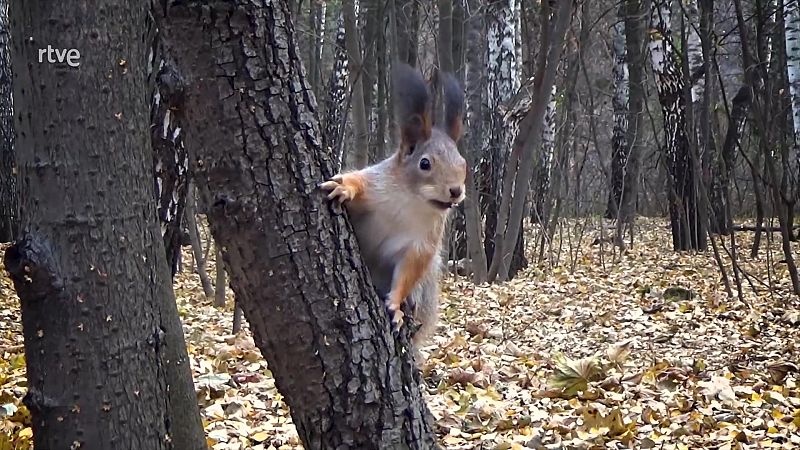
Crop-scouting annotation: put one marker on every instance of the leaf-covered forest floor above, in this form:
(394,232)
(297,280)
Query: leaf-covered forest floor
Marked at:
(642,349)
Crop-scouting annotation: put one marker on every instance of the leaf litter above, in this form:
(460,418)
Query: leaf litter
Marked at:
(642,349)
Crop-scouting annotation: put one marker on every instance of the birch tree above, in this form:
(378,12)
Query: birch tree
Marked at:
(792,36)
(688,231)
(335,119)
(502,84)
(544,162)
(619,149)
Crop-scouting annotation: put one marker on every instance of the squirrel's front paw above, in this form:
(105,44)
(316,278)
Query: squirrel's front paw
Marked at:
(395,312)
(338,190)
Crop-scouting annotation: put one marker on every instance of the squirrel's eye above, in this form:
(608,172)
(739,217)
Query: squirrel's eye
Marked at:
(424,164)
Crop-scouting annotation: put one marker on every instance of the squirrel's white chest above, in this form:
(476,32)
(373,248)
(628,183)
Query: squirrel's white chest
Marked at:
(392,228)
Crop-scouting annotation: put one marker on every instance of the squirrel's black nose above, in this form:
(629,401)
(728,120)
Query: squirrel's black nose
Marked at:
(455,192)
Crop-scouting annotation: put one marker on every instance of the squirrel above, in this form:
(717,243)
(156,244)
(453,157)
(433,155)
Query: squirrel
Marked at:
(399,206)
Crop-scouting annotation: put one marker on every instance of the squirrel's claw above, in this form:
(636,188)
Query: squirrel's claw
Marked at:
(397,320)
(396,313)
(337,190)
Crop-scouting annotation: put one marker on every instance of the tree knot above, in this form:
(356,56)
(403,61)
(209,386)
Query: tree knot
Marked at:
(32,268)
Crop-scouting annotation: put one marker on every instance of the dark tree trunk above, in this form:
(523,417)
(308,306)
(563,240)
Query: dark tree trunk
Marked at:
(170,159)
(9,198)
(200,261)
(237,319)
(446,36)
(102,334)
(459,24)
(406,18)
(722,222)
(382,110)
(316,19)
(221,280)
(293,265)
(635,38)
(371,12)
(358,110)
(474,68)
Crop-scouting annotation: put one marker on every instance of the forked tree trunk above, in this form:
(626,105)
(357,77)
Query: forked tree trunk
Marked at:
(293,264)
(529,138)
(106,359)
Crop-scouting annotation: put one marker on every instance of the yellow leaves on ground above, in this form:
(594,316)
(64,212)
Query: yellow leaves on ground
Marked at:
(639,349)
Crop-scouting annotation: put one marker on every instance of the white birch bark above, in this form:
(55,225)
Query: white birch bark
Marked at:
(792,11)
(503,74)
(694,49)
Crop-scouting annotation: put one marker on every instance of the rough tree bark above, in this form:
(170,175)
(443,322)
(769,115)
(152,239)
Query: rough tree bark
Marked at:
(293,265)
(9,198)
(102,334)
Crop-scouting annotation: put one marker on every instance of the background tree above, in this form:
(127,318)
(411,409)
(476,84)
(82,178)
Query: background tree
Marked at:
(519,170)
(104,348)
(170,158)
(355,67)
(686,219)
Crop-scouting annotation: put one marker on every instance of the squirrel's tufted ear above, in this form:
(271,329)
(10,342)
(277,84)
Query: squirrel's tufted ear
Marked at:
(453,107)
(412,106)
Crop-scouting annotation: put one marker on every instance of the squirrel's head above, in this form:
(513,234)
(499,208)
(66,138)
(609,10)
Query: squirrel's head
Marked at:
(428,156)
